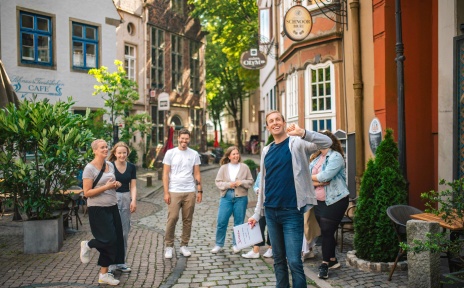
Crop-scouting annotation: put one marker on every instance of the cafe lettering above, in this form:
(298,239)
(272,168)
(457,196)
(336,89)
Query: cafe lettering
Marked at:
(40,86)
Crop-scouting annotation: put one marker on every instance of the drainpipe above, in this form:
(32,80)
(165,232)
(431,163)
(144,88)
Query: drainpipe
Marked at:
(358,92)
(276,50)
(400,89)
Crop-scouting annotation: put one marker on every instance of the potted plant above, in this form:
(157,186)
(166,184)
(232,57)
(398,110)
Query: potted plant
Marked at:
(449,205)
(382,185)
(41,148)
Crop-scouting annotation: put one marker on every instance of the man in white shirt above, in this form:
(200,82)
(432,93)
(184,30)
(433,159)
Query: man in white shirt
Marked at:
(181,179)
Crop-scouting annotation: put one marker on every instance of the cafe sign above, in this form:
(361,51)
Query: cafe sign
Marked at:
(39,86)
(253,59)
(297,23)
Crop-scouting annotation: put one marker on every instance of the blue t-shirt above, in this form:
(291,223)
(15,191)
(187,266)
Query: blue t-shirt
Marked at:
(280,185)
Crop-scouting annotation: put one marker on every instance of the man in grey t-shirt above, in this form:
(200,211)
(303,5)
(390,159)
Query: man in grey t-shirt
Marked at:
(181,179)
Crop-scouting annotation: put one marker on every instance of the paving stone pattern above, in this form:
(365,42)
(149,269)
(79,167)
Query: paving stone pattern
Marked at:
(146,249)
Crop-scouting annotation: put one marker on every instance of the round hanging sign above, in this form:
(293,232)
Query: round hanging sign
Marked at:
(297,23)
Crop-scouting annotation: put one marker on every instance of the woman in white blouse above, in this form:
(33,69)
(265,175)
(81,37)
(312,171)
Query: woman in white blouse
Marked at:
(233,180)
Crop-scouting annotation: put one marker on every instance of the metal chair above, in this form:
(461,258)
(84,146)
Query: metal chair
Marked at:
(399,215)
(347,223)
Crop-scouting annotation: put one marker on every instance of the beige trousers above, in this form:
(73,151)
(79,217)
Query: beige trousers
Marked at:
(184,201)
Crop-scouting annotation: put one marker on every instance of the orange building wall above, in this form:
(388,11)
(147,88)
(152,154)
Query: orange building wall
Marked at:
(420,86)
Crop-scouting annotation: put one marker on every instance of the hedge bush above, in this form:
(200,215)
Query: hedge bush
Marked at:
(382,185)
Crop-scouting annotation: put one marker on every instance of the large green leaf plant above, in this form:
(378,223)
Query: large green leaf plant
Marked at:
(42,146)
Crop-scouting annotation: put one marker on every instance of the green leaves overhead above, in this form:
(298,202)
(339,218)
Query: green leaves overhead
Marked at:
(232,27)
(119,94)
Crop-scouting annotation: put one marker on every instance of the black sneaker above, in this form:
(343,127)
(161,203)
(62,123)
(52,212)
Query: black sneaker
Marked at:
(334,264)
(323,271)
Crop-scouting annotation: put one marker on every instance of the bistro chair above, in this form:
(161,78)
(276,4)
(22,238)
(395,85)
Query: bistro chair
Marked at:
(76,199)
(347,223)
(399,215)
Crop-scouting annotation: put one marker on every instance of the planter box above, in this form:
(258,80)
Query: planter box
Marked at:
(43,236)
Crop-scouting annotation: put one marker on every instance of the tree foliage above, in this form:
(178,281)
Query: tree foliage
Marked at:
(232,27)
(382,185)
(119,94)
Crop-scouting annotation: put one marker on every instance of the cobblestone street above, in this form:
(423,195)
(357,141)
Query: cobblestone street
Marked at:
(146,249)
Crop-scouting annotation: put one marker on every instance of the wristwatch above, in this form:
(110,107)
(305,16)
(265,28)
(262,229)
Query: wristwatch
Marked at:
(200,191)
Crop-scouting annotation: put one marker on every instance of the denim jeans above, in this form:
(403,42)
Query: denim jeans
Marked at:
(285,227)
(228,205)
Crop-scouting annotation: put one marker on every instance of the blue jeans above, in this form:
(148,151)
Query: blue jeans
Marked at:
(285,227)
(228,205)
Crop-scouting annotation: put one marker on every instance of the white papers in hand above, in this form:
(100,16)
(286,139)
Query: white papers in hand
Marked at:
(246,237)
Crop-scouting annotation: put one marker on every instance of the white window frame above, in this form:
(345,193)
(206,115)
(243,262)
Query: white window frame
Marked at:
(291,92)
(323,115)
(129,61)
(265,27)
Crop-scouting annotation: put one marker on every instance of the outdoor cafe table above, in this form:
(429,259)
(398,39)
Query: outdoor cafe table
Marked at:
(455,225)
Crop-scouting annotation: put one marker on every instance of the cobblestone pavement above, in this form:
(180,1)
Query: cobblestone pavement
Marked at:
(146,247)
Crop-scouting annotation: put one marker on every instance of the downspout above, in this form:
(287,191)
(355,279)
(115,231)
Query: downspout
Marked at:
(400,90)
(276,50)
(358,92)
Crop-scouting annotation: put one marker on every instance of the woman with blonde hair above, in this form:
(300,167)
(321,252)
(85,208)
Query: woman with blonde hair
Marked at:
(126,174)
(100,184)
(233,180)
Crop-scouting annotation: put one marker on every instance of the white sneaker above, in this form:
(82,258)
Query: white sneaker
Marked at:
(251,255)
(168,253)
(108,279)
(184,250)
(308,255)
(216,249)
(85,252)
(235,249)
(268,253)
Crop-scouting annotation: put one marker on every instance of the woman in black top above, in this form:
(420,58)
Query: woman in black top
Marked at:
(125,173)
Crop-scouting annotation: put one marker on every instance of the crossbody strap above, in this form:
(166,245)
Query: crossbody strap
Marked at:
(99,175)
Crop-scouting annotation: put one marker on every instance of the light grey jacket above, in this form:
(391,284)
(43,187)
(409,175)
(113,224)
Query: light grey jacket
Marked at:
(301,150)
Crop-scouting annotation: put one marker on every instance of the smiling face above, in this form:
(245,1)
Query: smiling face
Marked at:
(101,149)
(234,156)
(121,154)
(275,124)
(184,140)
